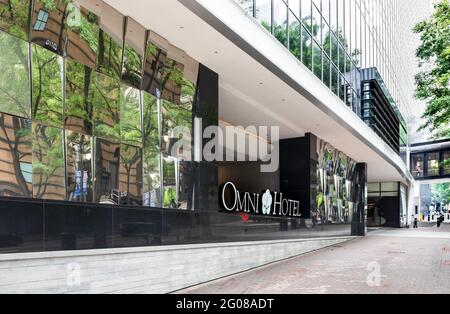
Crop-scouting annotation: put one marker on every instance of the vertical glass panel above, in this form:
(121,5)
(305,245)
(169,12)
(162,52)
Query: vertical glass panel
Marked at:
(334,50)
(48,27)
(317,60)
(306,11)
(82,32)
(150,106)
(280,22)
(130,116)
(15,157)
(47,102)
(106,99)
(334,80)
(264,13)
(154,68)
(49,181)
(446,163)
(306,48)
(342,59)
(294,6)
(333,14)
(79,106)
(131,175)
(135,38)
(294,35)
(326,71)
(418,165)
(15,88)
(316,26)
(342,88)
(433,164)
(79,167)
(170,182)
(110,42)
(172,81)
(152,178)
(176,130)
(14,17)
(107,162)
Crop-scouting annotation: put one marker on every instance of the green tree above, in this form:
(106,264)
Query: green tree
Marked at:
(433,80)
(441,193)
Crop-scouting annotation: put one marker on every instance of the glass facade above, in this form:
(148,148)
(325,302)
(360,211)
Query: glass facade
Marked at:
(337,38)
(91,106)
(433,164)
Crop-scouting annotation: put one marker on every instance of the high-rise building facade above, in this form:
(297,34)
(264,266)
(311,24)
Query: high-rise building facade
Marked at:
(111,110)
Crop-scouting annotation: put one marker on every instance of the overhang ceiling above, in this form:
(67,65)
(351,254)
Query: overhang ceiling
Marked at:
(250,94)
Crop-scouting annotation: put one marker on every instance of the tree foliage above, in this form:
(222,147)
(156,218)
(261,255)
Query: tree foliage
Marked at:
(433,80)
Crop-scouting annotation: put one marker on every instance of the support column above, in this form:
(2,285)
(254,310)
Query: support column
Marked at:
(359,224)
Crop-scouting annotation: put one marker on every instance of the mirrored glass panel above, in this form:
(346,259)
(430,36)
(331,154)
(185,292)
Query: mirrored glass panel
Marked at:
(107,162)
(170,182)
(154,67)
(49,181)
(15,16)
(106,99)
(418,165)
(446,162)
(110,42)
(152,178)
(133,54)
(15,91)
(433,164)
(79,167)
(15,157)
(48,24)
(79,106)
(172,81)
(131,175)
(130,119)
(47,102)
(82,33)
(151,109)
(176,130)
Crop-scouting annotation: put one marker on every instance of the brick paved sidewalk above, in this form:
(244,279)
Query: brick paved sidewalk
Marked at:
(387,261)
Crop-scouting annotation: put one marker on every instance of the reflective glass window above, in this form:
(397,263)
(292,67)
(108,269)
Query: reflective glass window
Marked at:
(133,53)
(48,23)
(170,182)
(82,33)
(154,69)
(131,172)
(172,81)
(417,164)
(317,60)
(152,178)
(47,102)
(79,106)
(176,130)
(130,120)
(105,95)
(49,181)
(110,42)
(15,157)
(15,91)
(107,162)
(280,25)
(306,48)
(79,167)
(433,164)
(446,163)
(14,17)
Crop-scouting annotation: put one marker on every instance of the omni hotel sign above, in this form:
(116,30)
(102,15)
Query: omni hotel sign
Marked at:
(268,204)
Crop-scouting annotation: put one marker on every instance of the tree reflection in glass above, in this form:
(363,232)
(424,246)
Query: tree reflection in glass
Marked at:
(130,116)
(154,69)
(79,105)
(170,182)
(131,175)
(133,53)
(15,157)
(105,94)
(48,24)
(152,162)
(47,102)
(79,167)
(82,33)
(48,163)
(14,17)
(107,161)
(15,91)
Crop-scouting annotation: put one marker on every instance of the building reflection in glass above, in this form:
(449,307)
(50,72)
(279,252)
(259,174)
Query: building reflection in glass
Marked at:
(133,54)
(107,162)
(79,167)
(154,66)
(131,175)
(47,102)
(15,91)
(15,17)
(48,163)
(15,157)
